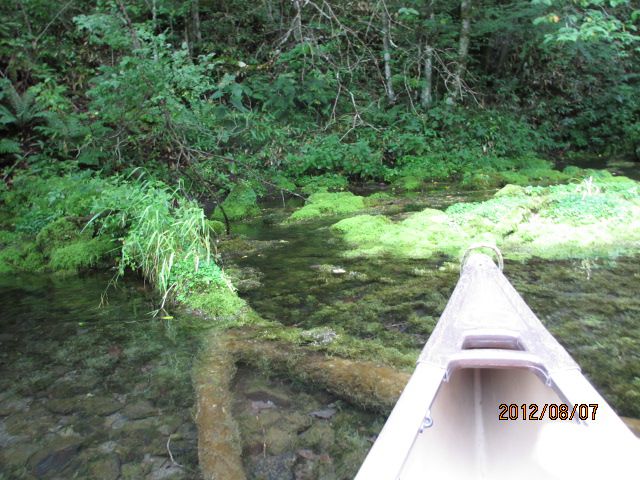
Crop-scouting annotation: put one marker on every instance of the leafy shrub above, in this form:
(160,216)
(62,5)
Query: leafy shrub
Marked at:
(330,155)
(320,183)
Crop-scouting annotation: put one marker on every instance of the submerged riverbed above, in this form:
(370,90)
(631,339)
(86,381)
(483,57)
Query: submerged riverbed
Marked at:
(92,391)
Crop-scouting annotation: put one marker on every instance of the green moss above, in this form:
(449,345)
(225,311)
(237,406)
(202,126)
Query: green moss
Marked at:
(481,180)
(593,218)
(510,191)
(419,236)
(58,233)
(21,256)
(219,302)
(326,203)
(217,227)
(378,198)
(241,203)
(284,183)
(80,255)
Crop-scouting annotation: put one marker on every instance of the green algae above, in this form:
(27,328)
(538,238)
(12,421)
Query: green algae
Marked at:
(328,203)
(597,217)
(241,203)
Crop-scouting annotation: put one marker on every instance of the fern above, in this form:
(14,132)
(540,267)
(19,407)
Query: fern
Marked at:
(6,117)
(9,146)
(24,109)
(62,126)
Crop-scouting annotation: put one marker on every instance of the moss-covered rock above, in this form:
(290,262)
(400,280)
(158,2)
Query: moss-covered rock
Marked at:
(378,198)
(328,203)
(241,203)
(593,218)
(219,302)
(510,191)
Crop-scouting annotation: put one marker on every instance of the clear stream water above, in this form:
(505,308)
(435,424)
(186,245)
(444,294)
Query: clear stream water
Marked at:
(105,392)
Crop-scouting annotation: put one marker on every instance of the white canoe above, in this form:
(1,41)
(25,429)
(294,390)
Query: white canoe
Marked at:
(487,350)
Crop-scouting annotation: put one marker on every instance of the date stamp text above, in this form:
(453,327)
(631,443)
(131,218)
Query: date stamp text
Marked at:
(552,411)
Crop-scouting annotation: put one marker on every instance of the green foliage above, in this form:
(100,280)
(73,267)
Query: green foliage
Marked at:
(18,109)
(34,202)
(9,146)
(219,302)
(159,228)
(322,183)
(329,154)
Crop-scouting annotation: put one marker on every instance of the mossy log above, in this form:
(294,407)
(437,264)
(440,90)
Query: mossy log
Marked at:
(219,447)
(364,383)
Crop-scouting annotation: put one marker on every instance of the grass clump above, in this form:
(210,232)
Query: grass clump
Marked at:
(328,203)
(592,218)
(150,227)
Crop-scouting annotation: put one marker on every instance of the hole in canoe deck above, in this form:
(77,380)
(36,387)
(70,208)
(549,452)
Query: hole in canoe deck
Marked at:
(474,342)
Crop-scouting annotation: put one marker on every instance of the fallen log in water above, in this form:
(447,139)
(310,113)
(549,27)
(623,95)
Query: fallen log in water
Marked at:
(219,446)
(364,383)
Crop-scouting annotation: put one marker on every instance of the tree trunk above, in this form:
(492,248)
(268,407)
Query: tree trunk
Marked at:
(132,31)
(426,97)
(195,22)
(463,48)
(297,21)
(386,46)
